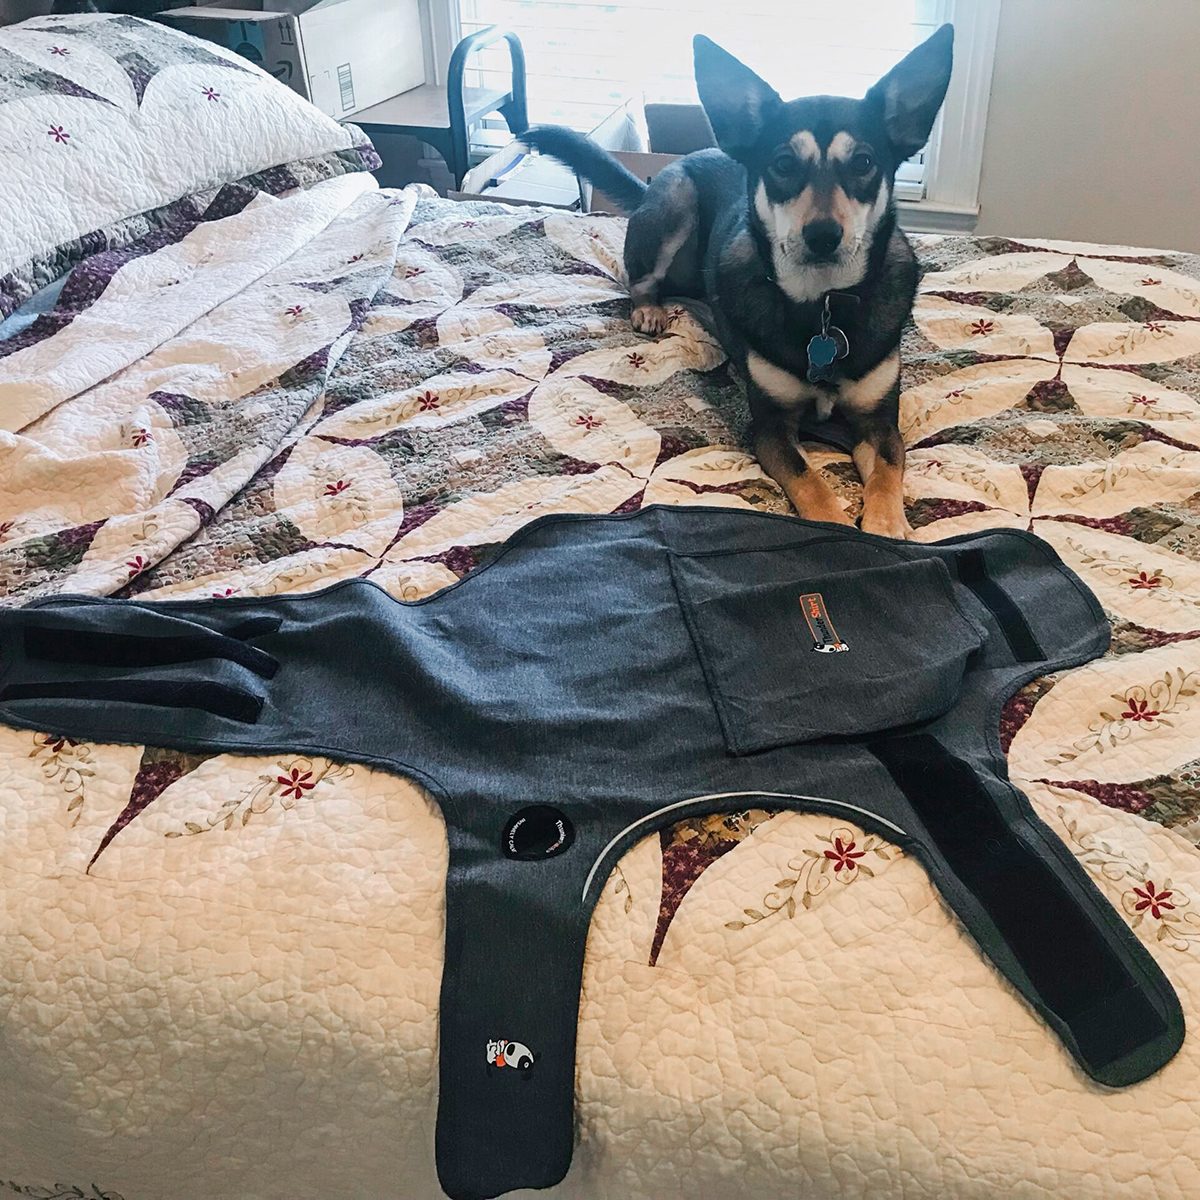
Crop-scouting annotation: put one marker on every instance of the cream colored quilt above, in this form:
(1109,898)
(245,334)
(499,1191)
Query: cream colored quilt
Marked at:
(219,976)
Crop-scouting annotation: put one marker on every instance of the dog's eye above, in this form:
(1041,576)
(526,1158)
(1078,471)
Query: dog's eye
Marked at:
(785,164)
(862,164)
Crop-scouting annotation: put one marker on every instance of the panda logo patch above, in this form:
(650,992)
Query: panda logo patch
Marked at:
(502,1054)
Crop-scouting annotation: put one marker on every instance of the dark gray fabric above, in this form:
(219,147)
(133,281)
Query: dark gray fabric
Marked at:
(736,605)
(625,672)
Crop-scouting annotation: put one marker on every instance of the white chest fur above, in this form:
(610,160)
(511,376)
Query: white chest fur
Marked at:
(851,395)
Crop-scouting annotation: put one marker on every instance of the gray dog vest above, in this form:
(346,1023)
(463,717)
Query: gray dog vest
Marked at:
(603,677)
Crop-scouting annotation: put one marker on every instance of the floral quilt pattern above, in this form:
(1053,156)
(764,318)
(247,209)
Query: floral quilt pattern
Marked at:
(108,121)
(406,386)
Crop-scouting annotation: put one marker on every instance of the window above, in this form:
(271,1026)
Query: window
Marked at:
(585,56)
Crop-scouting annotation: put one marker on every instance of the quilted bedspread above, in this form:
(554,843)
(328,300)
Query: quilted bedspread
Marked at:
(219,975)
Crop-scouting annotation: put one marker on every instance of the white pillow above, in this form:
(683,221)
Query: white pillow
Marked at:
(105,117)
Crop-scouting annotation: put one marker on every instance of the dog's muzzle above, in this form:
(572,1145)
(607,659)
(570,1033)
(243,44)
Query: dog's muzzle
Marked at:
(822,240)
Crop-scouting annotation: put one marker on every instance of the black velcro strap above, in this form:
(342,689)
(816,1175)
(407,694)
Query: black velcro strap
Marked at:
(972,571)
(90,647)
(252,627)
(216,698)
(1070,962)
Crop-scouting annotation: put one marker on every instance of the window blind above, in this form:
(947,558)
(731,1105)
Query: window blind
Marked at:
(584,57)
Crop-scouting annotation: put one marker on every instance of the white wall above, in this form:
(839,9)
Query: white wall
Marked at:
(1094,123)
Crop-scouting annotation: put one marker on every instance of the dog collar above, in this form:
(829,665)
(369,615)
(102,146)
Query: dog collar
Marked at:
(829,346)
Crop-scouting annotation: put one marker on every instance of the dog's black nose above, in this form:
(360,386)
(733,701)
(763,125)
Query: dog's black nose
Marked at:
(822,238)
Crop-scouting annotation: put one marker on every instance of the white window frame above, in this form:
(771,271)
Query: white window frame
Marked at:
(954,156)
(441,24)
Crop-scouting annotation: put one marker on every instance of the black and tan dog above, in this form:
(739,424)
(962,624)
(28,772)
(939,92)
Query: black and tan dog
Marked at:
(789,232)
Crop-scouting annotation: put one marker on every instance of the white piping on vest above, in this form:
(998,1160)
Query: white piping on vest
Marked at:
(823,800)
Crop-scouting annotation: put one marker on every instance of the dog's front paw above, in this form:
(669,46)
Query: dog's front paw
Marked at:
(650,318)
(889,525)
(831,512)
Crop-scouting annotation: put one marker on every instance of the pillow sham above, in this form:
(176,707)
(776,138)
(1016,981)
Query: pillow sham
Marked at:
(106,118)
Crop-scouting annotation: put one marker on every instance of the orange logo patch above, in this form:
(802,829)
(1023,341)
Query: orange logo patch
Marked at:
(825,637)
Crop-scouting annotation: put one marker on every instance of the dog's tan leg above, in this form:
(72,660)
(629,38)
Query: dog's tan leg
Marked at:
(810,495)
(879,458)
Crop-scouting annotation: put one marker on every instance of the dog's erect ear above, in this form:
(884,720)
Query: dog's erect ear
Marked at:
(911,93)
(737,102)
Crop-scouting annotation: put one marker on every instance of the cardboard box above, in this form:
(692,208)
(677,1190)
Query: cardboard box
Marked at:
(343,55)
(678,128)
(511,176)
(673,131)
